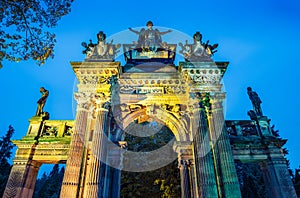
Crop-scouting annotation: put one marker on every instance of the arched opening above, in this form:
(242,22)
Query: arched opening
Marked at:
(160,179)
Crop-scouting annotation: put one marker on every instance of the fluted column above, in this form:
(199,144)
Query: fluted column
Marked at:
(112,186)
(204,165)
(223,154)
(71,181)
(185,179)
(93,185)
(186,167)
(22,179)
(114,159)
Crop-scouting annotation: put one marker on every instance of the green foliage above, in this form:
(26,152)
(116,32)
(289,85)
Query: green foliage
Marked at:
(5,154)
(140,143)
(24,28)
(48,186)
(169,181)
(163,182)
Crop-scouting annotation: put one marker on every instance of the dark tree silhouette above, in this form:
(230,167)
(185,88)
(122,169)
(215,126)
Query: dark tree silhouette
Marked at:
(49,185)
(6,147)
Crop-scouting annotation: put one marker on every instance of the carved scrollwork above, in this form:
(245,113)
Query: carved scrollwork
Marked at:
(83,100)
(203,100)
(89,79)
(185,163)
(124,107)
(50,131)
(203,76)
(100,101)
(178,112)
(127,90)
(135,107)
(169,90)
(93,79)
(179,89)
(104,79)
(206,79)
(68,131)
(175,90)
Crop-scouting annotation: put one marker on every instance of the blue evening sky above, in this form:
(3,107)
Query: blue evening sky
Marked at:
(260,39)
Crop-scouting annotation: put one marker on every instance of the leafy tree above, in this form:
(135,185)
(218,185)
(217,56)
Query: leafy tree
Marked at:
(169,181)
(24,28)
(5,154)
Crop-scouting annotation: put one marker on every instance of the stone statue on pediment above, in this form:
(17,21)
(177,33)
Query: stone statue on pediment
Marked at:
(256,101)
(42,101)
(149,38)
(198,51)
(100,50)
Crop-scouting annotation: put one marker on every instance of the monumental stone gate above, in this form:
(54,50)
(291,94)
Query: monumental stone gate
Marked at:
(187,98)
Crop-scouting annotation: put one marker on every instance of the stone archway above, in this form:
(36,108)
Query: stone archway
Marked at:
(187,98)
(183,146)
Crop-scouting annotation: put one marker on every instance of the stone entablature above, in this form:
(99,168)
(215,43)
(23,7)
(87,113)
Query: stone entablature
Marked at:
(188,99)
(51,142)
(203,76)
(245,141)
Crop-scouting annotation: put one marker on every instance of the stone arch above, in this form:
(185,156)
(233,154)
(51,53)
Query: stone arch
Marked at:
(164,117)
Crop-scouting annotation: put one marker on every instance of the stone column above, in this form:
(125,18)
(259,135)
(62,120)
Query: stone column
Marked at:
(277,178)
(93,184)
(204,165)
(112,186)
(71,182)
(185,179)
(227,176)
(22,179)
(85,155)
(186,166)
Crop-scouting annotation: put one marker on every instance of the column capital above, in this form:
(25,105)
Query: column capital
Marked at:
(182,145)
(100,101)
(186,162)
(83,100)
(184,149)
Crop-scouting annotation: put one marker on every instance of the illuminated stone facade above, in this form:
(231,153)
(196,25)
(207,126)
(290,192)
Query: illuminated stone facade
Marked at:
(187,98)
